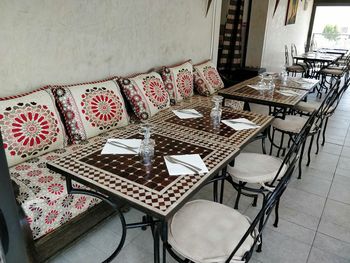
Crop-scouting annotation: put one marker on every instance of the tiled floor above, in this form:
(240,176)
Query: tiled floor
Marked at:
(315,213)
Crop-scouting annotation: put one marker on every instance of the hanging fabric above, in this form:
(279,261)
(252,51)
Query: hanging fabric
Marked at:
(231,52)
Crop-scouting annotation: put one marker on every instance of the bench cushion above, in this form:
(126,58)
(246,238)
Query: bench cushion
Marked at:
(146,94)
(43,194)
(92,108)
(31,126)
(207,79)
(178,81)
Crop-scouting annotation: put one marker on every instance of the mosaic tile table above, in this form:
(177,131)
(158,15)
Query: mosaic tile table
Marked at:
(247,94)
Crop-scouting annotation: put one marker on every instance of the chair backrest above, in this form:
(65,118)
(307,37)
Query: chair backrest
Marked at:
(264,214)
(286,55)
(293,152)
(293,52)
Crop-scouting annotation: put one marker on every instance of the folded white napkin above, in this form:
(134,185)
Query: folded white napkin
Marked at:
(187,113)
(240,124)
(288,93)
(256,87)
(121,146)
(181,169)
(303,80)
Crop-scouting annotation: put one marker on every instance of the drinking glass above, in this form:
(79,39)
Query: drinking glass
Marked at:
(284,76)
(147,144)
(216,111)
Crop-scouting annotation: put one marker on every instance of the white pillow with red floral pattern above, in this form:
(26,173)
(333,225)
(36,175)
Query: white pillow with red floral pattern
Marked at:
(30,126)
(90,109)
(146,94)
(207,79)
(178,81)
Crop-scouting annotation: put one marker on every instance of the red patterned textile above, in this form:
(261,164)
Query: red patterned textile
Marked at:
(146,94)
(178,81)
(30,126)
(89,109)
(43,193)
(207,79)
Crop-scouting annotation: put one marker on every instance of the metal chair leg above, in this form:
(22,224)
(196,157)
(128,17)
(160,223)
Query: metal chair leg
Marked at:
(309,150)
(281,145)
(272,139)
(324,132)
(239,191)
(275,224)
(301,159)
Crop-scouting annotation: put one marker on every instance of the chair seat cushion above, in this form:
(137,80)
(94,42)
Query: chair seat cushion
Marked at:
(331,71)
(292,124)
(311,106)
(295,68)
(307,106)
(256,168)
(207,232)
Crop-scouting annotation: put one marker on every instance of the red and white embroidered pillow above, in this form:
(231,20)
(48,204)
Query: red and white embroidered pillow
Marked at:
(30,126)
(90,109)
(207,79)
(178,81)
(146,94)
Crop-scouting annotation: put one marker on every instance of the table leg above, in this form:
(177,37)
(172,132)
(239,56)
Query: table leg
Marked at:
(246,106)
(156,251)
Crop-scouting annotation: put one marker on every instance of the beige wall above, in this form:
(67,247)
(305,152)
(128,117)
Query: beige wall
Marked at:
(257,32)
(277,34)
(70,41)
(268,34)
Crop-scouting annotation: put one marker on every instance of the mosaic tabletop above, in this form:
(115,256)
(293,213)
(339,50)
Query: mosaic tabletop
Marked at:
(202,127)
(245,93)
(149,188)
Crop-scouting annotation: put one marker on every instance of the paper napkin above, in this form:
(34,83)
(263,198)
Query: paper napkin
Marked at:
(121,148)
(240,124)
(187,113)
(181,169)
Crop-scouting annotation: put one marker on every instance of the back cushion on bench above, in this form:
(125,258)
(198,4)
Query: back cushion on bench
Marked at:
(90,109)
(178,81)
(30,126)
(207,79)
(146,94)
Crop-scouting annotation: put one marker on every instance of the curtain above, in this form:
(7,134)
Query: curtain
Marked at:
(231,35)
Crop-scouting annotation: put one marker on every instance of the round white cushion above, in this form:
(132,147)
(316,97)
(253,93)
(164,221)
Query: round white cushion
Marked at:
(291,123)
(256,168)
(207,232)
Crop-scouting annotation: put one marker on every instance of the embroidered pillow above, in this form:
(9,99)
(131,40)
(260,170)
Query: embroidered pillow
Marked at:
(178,81)
(207,79)
(30,126)
(146,94)
(90,109)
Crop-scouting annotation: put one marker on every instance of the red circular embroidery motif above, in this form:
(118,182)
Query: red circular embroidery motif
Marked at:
(184,83)
(29,128)
(56,189)
(102,108)
(212,77)
(155,91)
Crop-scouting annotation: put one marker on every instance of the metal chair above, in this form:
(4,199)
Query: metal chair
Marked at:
(295,68)
(205,231)
(254,174)
(292,125)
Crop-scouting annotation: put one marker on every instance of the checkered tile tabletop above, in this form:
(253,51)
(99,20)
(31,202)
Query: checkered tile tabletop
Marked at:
(125,177)
(244,93)
(202,127)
